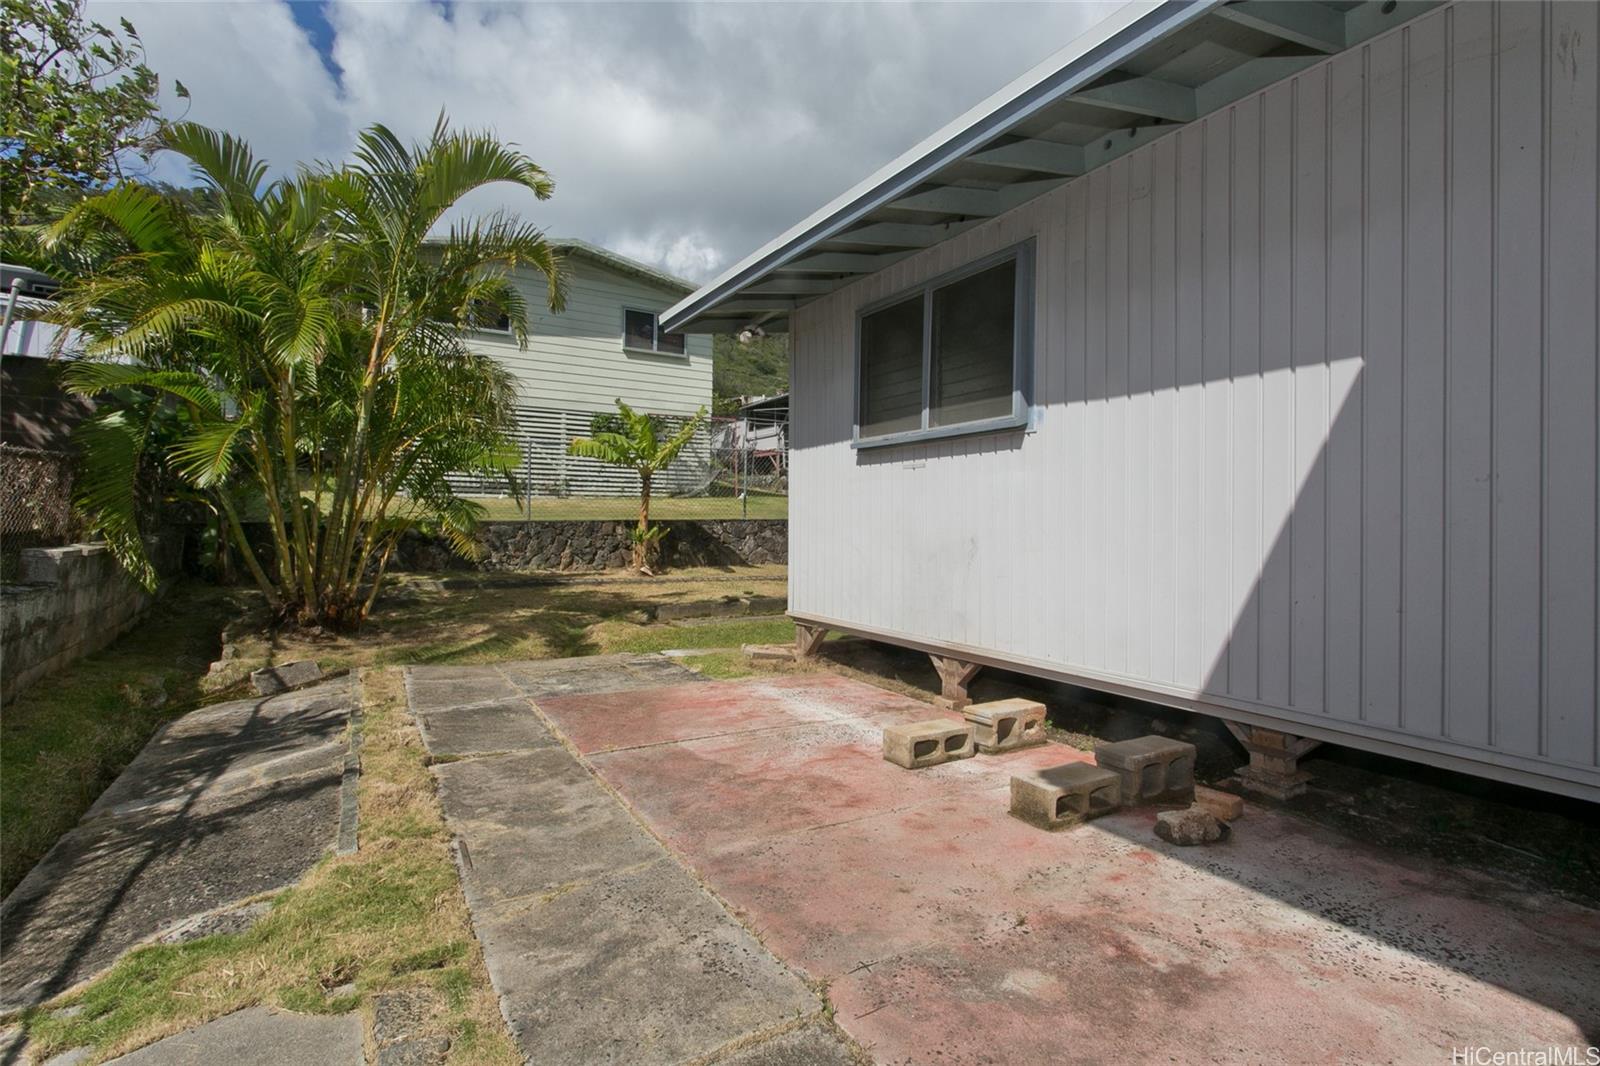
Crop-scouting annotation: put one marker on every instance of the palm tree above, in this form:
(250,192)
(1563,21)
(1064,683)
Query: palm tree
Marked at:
(636,444)
(297,347)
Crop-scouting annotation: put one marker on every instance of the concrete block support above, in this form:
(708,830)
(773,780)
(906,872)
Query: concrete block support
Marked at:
(1005,725)
(808,639)
(915,745)
(954,677)
(1274,767)
(1064,796)
(1152,769)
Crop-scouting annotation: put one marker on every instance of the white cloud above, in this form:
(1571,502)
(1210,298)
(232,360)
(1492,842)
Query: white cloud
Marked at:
(685,135)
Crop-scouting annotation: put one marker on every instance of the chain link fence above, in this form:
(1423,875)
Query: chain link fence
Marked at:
(736,467)
(35,503)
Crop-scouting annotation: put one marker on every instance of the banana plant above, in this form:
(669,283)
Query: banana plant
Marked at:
(635,442)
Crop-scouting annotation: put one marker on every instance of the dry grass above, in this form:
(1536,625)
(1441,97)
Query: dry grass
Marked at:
(514,616)
(389,916)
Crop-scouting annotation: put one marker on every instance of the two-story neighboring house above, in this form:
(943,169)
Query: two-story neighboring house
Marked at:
(602,347)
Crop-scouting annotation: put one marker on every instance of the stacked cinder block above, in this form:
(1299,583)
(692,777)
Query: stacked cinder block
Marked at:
(1152,769)
(1005,725)
(1064,796)
(69,602)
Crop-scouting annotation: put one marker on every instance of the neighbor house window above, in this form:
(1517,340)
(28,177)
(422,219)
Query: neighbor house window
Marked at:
(487,320)
(642,331)
(952,356)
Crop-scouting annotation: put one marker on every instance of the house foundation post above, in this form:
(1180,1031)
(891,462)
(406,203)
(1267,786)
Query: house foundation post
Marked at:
(808,639)
(1274,767)
(954,677)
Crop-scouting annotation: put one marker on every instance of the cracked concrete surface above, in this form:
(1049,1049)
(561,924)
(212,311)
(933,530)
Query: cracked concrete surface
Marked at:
(257,778)
(602,946)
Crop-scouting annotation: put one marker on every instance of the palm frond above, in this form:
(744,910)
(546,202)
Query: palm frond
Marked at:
(105,490)
(221,161)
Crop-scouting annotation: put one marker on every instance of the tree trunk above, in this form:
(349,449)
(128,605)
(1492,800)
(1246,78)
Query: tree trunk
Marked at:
(641,543)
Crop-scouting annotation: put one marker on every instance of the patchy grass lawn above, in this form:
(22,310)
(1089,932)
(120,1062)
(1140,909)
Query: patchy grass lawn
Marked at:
(66,738)
(389,916)
(611,508)
(501,617)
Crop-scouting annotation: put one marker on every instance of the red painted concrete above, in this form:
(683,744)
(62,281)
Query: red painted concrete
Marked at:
(610,720)
(951,933)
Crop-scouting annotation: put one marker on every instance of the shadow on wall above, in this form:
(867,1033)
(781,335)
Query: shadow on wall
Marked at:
(1331,454)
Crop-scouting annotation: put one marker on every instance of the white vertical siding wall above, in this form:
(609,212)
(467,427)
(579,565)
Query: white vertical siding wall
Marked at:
(1316,426)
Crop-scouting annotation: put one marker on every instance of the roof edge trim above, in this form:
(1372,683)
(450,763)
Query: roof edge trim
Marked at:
(1090,55)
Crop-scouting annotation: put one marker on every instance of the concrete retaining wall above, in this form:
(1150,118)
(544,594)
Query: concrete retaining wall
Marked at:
(70,601)
(603,545)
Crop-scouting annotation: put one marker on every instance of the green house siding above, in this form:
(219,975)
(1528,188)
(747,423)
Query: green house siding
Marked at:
(575,360)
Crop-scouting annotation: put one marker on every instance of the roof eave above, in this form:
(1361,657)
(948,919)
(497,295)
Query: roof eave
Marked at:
(1088,57)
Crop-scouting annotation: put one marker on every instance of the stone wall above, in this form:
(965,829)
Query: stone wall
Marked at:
(69,602)
(603,545)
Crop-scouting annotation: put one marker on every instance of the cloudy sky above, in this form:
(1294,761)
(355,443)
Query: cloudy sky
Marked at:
(685,135)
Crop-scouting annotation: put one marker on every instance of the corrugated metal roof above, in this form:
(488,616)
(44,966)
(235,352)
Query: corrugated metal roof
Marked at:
(1151,67)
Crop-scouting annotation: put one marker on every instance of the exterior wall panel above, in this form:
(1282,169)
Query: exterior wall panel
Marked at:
(1314,435)
(575,361)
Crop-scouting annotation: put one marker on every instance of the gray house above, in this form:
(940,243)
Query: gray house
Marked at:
(1241,357)
(605,345)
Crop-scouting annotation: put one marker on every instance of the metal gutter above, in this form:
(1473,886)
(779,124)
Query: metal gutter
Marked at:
(1127,31)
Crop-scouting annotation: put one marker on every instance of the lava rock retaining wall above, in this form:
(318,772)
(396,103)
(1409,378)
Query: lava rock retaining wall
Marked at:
(601,546)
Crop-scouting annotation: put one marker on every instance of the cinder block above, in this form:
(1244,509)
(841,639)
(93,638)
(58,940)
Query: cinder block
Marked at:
(46,566)
(916,745)
(1153,769)
(1005,725)
(1222,805)
(1064,796)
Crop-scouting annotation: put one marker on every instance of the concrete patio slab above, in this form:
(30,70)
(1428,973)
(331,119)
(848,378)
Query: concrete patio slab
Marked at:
(258,778)
(527,824)
(259,1037)
(810,1045)
(1288,943)
(608,721)
(438,694)
(639,967)
(601,945)
(505,725)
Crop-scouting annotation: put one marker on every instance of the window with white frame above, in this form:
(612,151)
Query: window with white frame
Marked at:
(952,356)
(641,331)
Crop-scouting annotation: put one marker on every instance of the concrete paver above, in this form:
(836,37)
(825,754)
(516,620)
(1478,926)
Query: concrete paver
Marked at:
(223,803)
(258,1036)
(505,725)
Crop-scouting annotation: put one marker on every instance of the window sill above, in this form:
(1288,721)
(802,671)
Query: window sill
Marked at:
(964,429)
(629,349)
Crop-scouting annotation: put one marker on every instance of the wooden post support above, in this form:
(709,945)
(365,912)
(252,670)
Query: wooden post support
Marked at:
(808,639)
(1274,766)
(954,677)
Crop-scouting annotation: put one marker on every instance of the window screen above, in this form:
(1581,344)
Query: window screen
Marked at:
(670,342)
(638,329)
(947,355)
(891,369)
(974,347)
